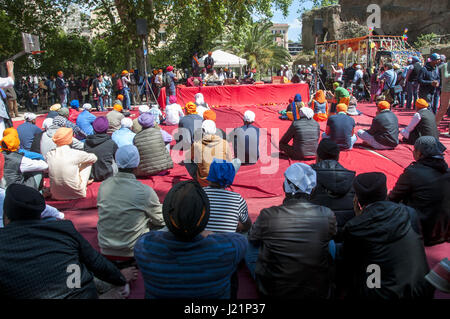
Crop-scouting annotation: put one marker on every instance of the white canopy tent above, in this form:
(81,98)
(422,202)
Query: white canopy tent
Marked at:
(224,59)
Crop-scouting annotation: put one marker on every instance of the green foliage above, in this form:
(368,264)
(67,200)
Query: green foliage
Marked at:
(257,46)
(425,40)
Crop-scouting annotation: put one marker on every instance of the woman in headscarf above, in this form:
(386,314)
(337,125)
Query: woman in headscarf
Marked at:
(320,106)
(202,106)
(420,186)
(292,107)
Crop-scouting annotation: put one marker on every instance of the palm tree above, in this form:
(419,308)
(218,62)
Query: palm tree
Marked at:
(258,47)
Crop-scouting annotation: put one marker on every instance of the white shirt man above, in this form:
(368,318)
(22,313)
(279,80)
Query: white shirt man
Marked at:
(174,113)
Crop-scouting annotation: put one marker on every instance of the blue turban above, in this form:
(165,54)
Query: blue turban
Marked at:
(127,157)
(297,98)
(221,172)
(75,104)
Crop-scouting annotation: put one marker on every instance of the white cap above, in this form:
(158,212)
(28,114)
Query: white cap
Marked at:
(358,67)
(47,123)
(209,127)
(143,109)
(29,117)
(126,122)
(249,116)
(87,106)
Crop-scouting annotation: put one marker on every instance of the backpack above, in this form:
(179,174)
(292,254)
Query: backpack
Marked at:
(119,84)
(166,81)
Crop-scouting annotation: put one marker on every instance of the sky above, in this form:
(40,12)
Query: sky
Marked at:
(295,25)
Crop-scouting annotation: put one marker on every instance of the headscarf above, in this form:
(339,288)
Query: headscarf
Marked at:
(429,146)
(186,210)
(209,127)
(199,99)
(249,116)
(421,104)
(384,105)
(29,117)
(191,108)
(299,178)
(146,120)
(127,157)
(306,112)
(209,115)
(63,136)
(55,107)
(87,106)
(59,121)
(341,107)
(320,97)
(100,124)
(75,104)
(126,122)
(118,107)
(221,172)
(47,123)
(143,109)
(10,141)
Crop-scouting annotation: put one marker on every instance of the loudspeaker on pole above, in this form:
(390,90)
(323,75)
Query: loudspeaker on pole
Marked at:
(141,27)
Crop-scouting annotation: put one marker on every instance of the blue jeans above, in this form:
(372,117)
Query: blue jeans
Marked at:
(411,92)
(63,99)
(126,98)
(353,139)
(436,97)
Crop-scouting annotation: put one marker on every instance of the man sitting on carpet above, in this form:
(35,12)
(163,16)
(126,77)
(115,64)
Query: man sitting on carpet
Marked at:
(334,184)
(200,103)
(421,187)
(114,118)
(154,156)
(245,140)
(62,120)
(189,124)
(68,169)
(211,115)
(104,148)
(85,119)
(54,111)
(423,123)
(38,257)
(383,132)
(202,153)
(126,207)
(73,111)
(228,210)
(173,112)
(136,126)
(125,135)
(305,133)
(341,128)
(197,263)
(28,130)
(383,236)
(19,168)
(293,259)
(341,95)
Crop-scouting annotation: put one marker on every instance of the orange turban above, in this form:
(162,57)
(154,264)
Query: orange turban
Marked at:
(421,104)
(63,136)
(60,73)
(341,107)
(120,97)
(320,96)
(209,115)
(191,108)
(118,107)
(124,72)
(341,65)
(10,141)
(384,105)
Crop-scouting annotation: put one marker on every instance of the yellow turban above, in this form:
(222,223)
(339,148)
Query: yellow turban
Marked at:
(421,104)
(383,105)
(191,108)
(10,141)
(63,136)
(341,107)
(118,107)
(55,107)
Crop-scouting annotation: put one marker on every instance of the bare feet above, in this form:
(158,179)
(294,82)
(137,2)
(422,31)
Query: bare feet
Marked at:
(90,181)
(130,273)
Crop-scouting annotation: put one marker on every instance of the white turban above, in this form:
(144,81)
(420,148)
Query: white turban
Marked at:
(306,112)
(199,99)
(29,117)
(126,122)
(143,109)
(249,116)
(87,106)
(299,178)
(209,127)
(47,123)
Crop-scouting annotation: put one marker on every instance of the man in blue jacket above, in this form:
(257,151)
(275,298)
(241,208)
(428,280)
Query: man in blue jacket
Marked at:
(429,80)
(85,119)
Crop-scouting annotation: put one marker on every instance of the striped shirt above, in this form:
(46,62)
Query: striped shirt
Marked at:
(227,209)
(200,268)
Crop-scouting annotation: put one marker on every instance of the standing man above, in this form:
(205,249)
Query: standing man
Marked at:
(209,62)
(169,82)
(195,65)
(412,83)
(126,89)
(61,88)
(429,80)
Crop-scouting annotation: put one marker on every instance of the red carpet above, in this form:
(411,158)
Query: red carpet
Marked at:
(252,181)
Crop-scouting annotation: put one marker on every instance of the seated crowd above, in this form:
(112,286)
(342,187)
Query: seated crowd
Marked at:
(332,225)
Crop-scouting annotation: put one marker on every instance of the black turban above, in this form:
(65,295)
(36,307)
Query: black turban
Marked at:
(23,203)
(370,187)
